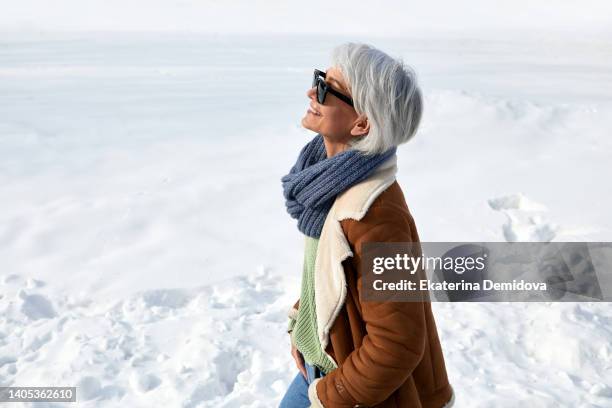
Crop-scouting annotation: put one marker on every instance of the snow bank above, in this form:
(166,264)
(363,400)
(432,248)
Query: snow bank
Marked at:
(225,345)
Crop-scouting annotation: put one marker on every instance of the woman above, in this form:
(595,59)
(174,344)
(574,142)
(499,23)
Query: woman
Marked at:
(343,192)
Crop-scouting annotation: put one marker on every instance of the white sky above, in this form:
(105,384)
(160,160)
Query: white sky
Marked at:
(384,17)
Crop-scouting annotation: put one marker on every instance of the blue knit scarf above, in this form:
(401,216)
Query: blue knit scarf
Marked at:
(315,180)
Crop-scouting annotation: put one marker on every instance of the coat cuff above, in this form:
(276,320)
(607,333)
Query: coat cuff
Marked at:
(292,340)
(315,402)
(293,313)
(290,325)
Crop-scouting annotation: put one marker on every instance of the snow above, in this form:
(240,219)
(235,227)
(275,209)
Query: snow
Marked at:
(385,18)
(146,255)
(524,220)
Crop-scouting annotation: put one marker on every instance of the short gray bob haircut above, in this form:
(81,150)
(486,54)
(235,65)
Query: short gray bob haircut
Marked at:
(385,90)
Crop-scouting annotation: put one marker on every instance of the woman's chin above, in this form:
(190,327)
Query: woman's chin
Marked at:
(307,124)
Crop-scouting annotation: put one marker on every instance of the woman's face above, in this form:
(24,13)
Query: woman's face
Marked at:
(335,120)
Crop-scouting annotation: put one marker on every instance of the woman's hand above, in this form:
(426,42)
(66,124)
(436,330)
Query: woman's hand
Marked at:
(299,361)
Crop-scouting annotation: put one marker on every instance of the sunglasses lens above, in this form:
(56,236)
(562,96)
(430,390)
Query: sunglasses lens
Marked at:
(321,91)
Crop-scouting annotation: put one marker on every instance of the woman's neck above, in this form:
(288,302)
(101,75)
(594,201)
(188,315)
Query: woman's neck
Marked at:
(333,148)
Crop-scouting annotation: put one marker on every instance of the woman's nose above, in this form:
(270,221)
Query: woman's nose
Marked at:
(311,92)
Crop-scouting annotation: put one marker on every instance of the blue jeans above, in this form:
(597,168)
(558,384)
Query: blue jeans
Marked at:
(297,393)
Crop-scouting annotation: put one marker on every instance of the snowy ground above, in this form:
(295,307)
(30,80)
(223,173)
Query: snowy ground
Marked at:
(145,253)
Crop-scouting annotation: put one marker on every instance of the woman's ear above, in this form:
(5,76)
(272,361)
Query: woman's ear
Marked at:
(361,127)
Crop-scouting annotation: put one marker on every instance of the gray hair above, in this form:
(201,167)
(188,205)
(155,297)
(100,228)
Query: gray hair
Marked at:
(385,90)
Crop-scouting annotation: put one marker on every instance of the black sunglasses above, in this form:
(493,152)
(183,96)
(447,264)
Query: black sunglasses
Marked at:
(323,88)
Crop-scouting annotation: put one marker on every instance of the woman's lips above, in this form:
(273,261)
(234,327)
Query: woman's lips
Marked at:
(313,112)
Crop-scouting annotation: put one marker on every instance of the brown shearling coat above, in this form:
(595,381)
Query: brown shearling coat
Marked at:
(388,353)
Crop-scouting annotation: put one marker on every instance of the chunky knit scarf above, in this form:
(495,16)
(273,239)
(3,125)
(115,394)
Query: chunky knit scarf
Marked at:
(315,180)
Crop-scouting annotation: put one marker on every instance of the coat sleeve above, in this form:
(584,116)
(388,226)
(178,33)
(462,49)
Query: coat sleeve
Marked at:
(292,314)
(294,310)
(396,331)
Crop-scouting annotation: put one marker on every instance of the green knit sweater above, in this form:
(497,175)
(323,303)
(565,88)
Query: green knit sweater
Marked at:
(304,327)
